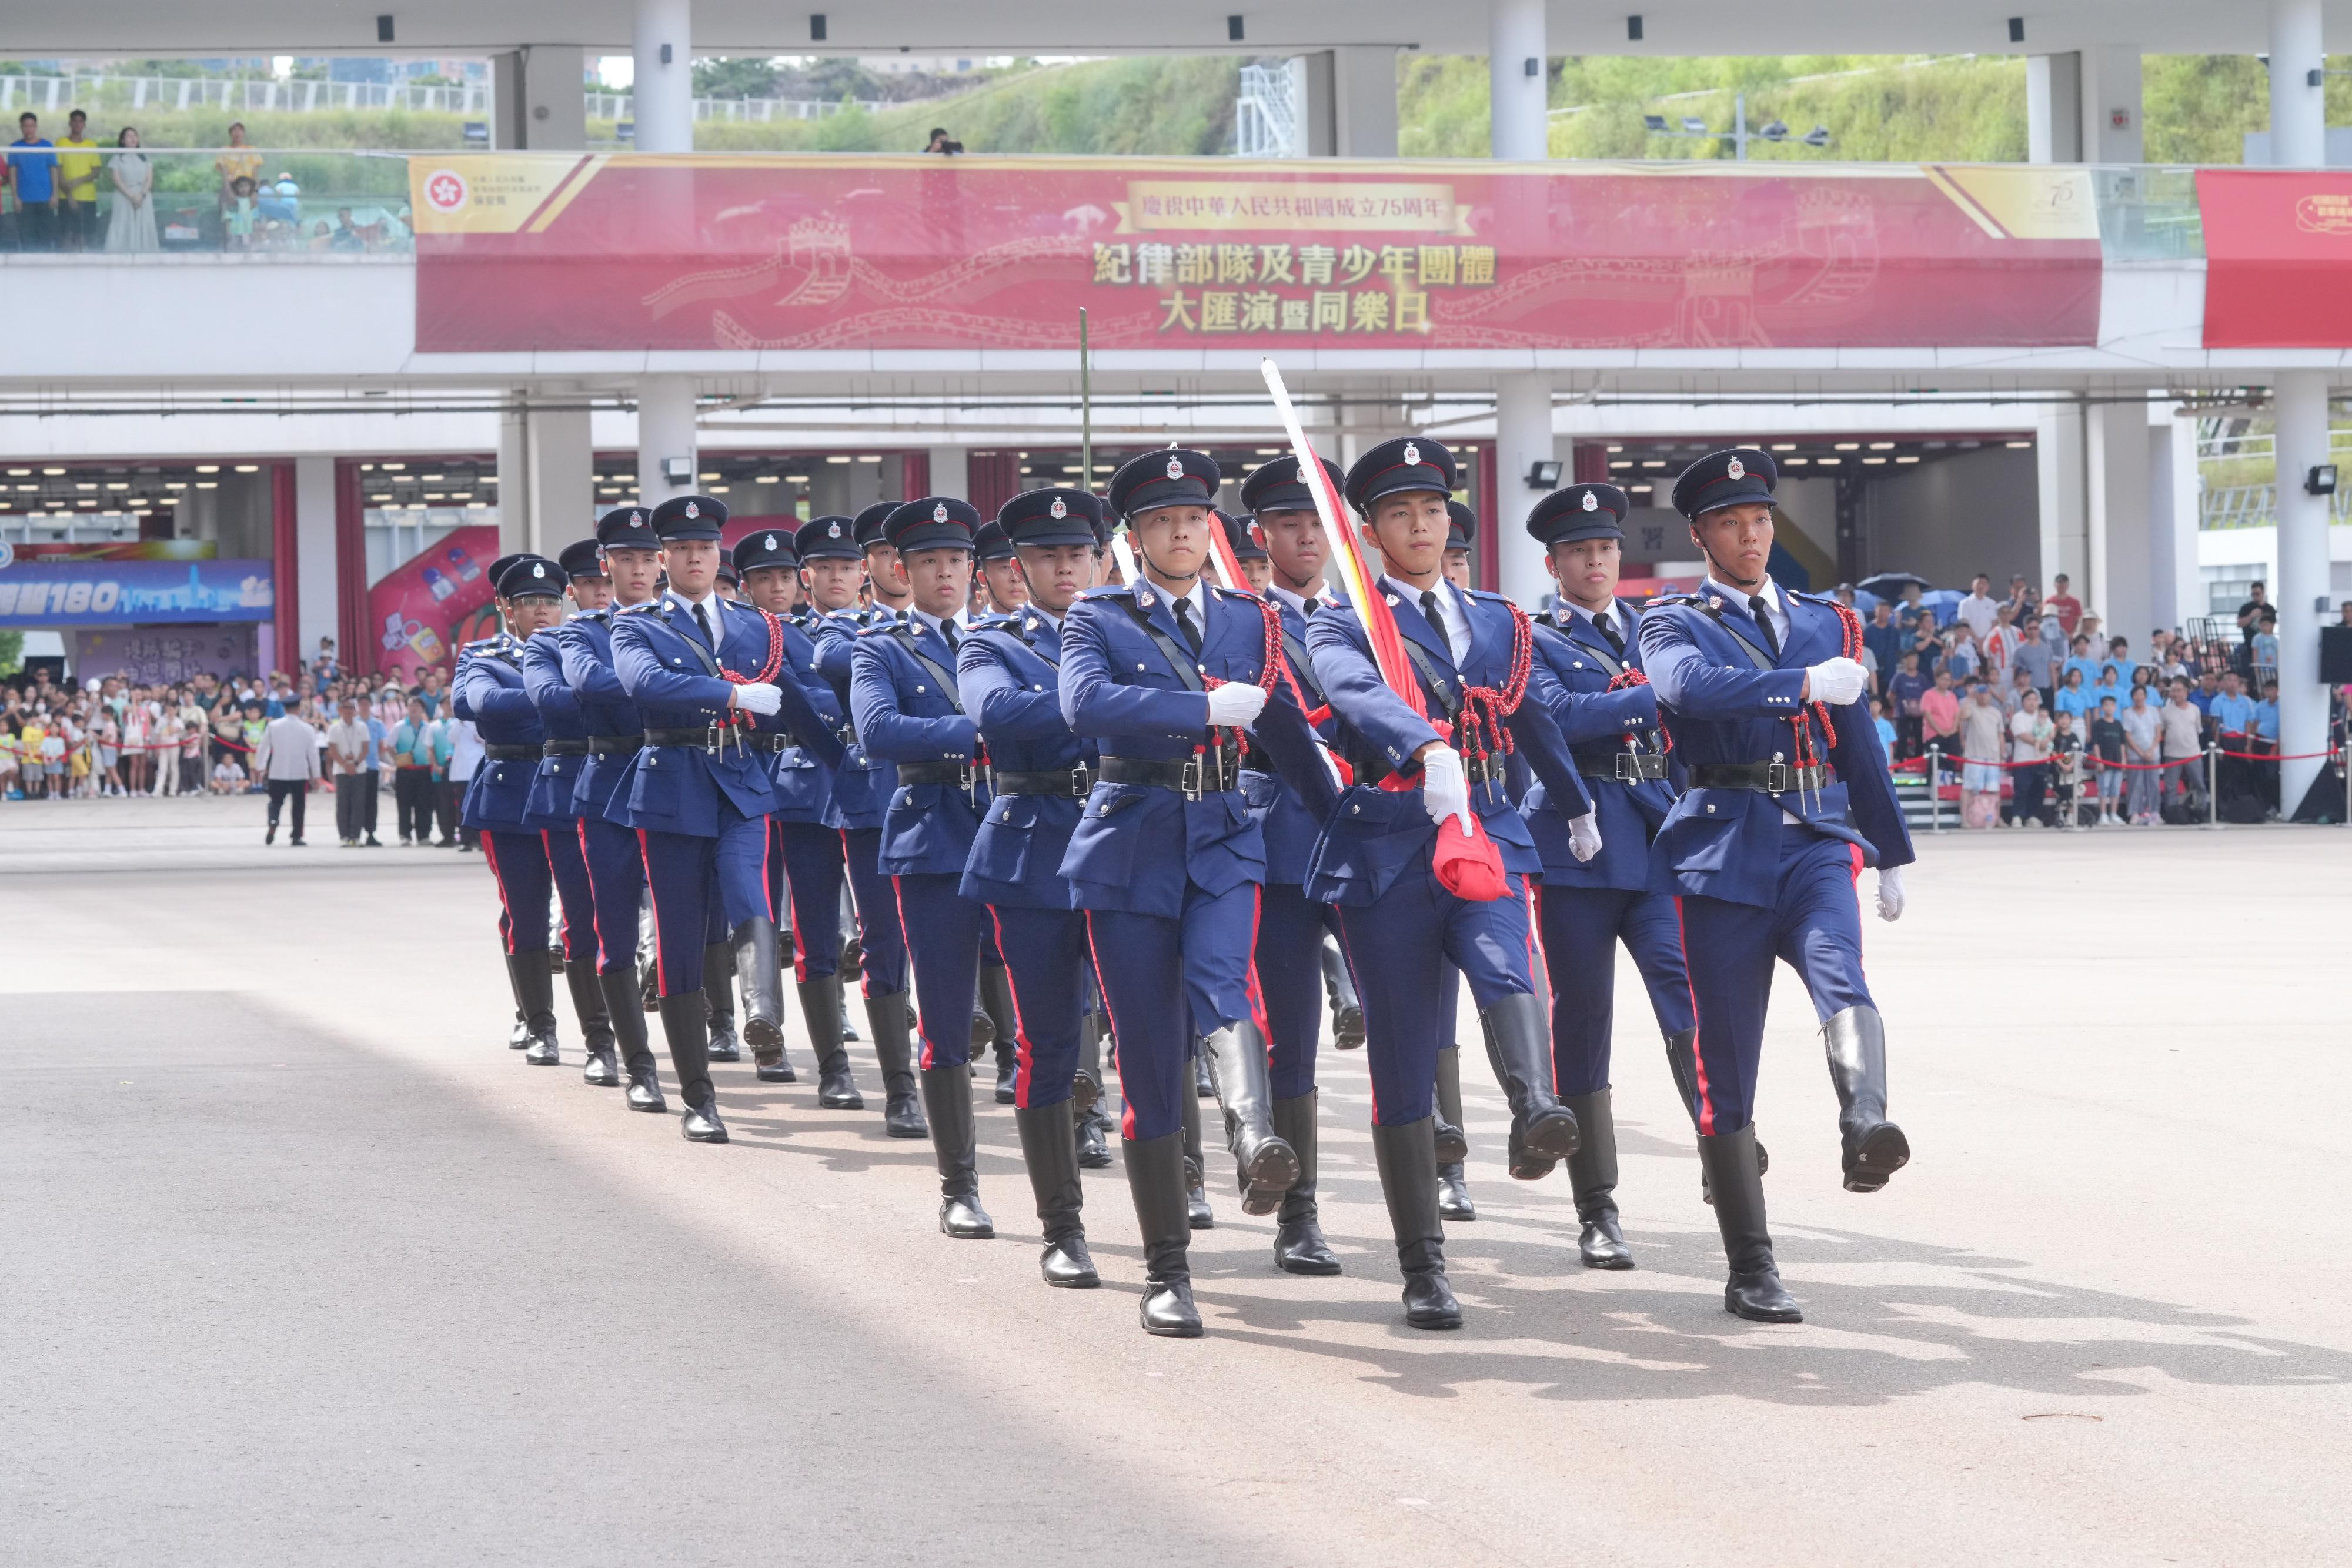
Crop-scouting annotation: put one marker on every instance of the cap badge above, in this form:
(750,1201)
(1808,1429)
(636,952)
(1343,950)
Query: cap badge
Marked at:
(771,543)
(692,511)
(637,520)
(1060,508)
(1735,469)
(832,530)
(940,513)
(539,571)
(1175,468)
(1412,453)
(1591,502)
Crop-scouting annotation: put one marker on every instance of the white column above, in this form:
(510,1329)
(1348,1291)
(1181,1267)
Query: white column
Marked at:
(665,435)
(2115,464)
(2172,514)
(664,91)
(1522,437)
(2058,474)
(2111,105)
(2298,110)
(1364,101)
(514,476)
(950,472)
(315,576)
(537,100)
(562,462)
(1518,79)
(2302,588)
(2054,109)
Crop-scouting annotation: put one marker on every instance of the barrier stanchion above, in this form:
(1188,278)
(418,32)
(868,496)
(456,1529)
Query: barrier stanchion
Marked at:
(1935,789)
(2213,786)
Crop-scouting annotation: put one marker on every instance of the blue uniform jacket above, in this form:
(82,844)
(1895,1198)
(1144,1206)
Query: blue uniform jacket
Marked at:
(1290,824)
(583,647)
(805,771)
(488,690)
(1595,722)
(1720,706)
(905,713)
(862,783)
(1374,835)
(1011,675)
(554,787)
(665,667)
(1136,846)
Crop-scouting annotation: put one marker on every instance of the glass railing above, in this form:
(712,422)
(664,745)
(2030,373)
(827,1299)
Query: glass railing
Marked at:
(2149,213)
(235,201)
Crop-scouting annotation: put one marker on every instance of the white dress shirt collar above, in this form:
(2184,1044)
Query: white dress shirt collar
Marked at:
(1453,610)
(1776,609)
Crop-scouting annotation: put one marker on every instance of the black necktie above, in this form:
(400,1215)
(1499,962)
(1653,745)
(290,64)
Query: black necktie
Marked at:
(1607,624)
(1436,621)
(1763,624)
(703,620)
(947,630)
(1184,624)
(1310,605)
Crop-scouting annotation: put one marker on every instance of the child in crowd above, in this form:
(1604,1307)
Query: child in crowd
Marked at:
(228,777)
(2106,745)
(239,216)
(2066,771)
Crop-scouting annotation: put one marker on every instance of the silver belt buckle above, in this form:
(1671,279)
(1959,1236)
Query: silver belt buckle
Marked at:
(1081,785)
(1625,767)
(1776,778)
(1189,776)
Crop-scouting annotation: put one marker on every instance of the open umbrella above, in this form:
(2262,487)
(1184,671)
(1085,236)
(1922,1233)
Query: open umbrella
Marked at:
(1891,585)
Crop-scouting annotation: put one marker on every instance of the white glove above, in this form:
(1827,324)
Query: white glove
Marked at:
(1836,681)
(1890,893)
(1585,836)
(1236,705)
(1444,788)
(757,697)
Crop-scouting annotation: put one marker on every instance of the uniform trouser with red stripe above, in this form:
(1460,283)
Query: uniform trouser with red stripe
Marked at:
(1814,924)
(518,862)
(568,866)
(1581,927)
(942,928)
(1290,930)
(1165,980)
(703,888)
(1046,958)
(617,878)
(881,939)
(1398,945)
(811,857)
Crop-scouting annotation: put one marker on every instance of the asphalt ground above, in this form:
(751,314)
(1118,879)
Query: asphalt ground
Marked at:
(303,1266)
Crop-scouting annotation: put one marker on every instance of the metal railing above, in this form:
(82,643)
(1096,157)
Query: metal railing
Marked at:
(1267,110)
(55,97)
(618,106)
(2256,507)
(298,202)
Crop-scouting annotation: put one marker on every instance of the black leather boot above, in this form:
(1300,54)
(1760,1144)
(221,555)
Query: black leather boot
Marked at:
(1004,1027)
(1298,1244)
(947,1095)
(1203,1086)
(1087,1098)
(1682,1061)
(1452,1143)
(837,1087)
(518,1037)
(1266,1166)
(1409,1182)
(718,996)
(1754,1288)
(1518,1044)
(1196,1196)
(1049,1148)
(534,989)
(1155,1180)
(629,1033)
(648,984)
(1874,1147)
(1340,990)
(603,1069)
(686,1024)
(902,1109)
(1592,1176)
(759,969)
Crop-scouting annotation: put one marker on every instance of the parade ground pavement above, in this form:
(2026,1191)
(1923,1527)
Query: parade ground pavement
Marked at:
(304,1267)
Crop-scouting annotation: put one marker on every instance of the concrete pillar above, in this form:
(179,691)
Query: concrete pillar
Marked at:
(2301,591)
(2054,107)
(1352,107)
(562,462)
(950,472)
(1523,435)
(2111,105)
(514,476)
(2115,465)
(318,610)
(665,437)
(2058,464)
(1518,79)
(537,101)
(2298,111)
(2177,587)
(664,91)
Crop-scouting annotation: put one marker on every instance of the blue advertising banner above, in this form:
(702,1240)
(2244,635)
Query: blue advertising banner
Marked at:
(133,592)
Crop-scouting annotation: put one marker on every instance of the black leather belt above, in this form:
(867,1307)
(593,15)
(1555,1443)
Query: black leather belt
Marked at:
(613,745)
(1064,783)
(1623,766)
(1490,769)
(756,742)
(563,748)
(511,753)
(1206,773)
(962,775)
(677,737)
(1771,778)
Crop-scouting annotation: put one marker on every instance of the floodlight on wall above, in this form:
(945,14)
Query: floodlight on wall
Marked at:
(678,470)
(1694,124)
(1819,136)
(2321,480)
(1774,131)
(1653,122)
(1543,474)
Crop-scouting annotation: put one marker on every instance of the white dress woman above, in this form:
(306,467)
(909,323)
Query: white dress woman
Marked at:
(131,224)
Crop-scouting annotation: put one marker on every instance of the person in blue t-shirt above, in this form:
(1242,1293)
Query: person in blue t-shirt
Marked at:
(2232,712)
(2078,699)
(2079,658)
(2266,714)
(32,169)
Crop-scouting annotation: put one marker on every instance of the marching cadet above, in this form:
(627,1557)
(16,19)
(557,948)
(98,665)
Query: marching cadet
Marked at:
(1009,672)
(998,572)
(488,690)
(904,696)
(862,786)
(996,578)
(550,807)
(729,585)
(1608,715)
(1249,552)
(1790,797)
(886,579)
(1472,655)
(617,867)
(1461,528)
(1164,675)
(702,671)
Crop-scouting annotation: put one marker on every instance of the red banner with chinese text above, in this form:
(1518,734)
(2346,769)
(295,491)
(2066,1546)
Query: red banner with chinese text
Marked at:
(552,253)
(2278,258)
